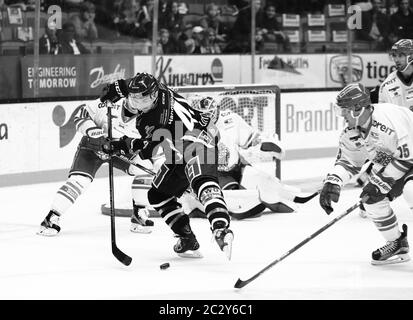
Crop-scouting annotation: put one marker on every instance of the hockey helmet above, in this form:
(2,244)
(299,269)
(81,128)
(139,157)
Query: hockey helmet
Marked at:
(143,92)
(404,48)
(352,103)
(209,108)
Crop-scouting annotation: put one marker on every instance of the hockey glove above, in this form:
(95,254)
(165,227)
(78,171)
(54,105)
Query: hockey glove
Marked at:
(96,137)
(330,192)
(378,188)
(115,91)
(124,146)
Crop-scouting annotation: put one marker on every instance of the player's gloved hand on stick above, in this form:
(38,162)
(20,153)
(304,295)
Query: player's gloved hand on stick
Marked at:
(372,193)
(96,136)
(124,145)
(115,91)
(330,192)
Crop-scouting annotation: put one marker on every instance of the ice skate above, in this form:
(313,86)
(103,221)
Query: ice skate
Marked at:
(395,251)
(50,225)
(140,222)
(224,237)
(187,246)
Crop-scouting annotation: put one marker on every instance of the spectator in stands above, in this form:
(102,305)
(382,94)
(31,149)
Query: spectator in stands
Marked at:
(84,22)
(173,20)
(211,44)
(127,23)
(212,20)
(401,22)
(48,43)
(68,42)
(198,38)
(145,17)
(239,41)
(269,30)
(167,44)
(375,27)
(183,8)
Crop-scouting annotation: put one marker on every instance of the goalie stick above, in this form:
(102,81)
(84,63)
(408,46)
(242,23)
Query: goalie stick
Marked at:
(242,283)
(122,257)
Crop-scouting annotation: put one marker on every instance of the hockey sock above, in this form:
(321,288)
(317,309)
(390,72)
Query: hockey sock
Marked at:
(211,197)
(172,213)
(388,226)
(68,193)
(140,187)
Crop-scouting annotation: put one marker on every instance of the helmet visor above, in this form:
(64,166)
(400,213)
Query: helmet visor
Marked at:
(139,103)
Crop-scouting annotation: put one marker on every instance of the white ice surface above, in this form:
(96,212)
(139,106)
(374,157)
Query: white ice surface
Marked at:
(78,264)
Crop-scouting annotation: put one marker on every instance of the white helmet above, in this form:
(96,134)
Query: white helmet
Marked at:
(208,107)
(402,47)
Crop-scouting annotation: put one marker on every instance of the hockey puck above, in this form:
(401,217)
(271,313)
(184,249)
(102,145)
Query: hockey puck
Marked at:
(164,266)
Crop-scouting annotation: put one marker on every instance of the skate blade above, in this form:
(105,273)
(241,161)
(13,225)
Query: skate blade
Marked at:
(47,232)
(137,228)
(227,248)
(400,258)
(192,254)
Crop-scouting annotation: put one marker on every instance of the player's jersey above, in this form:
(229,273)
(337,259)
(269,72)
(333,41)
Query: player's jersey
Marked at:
(388,143)
(91,115)
(395,90)
(235,133)
(172,120)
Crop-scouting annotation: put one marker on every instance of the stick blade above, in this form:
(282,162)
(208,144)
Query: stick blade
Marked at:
(298,199)
(122,257)
(240,284)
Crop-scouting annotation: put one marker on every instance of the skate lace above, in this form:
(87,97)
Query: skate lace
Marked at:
(389,247)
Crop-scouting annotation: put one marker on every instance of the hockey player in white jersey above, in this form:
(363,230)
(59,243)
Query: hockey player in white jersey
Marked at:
(91,122)
(383,134)
(397,88)
(248,190)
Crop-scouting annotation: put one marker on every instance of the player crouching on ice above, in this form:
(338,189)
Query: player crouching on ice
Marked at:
(383,134)
(248,190)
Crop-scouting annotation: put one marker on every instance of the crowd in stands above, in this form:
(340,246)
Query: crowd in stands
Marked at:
(224,26)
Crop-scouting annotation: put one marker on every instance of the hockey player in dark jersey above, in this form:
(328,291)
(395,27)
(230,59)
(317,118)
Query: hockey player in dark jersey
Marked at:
(189,140)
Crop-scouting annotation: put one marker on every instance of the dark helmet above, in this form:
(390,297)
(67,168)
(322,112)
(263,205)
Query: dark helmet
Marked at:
(142,93)
(354,96)
(143,83)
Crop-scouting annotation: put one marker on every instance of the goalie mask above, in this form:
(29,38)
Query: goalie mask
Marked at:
(402,54)
(143,93)
(209,108)
(354,104)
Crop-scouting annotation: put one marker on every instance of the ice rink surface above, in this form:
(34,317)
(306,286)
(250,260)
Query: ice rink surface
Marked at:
(78,264)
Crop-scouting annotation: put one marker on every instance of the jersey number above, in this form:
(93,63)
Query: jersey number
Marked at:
(185,116)
(404,151)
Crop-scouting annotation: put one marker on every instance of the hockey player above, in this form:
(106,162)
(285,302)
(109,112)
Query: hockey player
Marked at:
(382,133)
(91,122)
(396,89)
(188,138)
(248,190)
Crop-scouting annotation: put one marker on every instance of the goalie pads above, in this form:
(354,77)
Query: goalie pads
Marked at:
(266,150)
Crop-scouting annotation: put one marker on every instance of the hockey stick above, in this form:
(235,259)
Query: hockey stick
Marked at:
(122,257)
(298,199)
(127,160)
(242,283)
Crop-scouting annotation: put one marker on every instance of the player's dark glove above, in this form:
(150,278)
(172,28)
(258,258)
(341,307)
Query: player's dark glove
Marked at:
(372,193)
(124,146)
(330,192)
(115,91)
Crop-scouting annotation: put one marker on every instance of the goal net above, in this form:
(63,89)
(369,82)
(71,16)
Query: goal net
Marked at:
(258,105)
